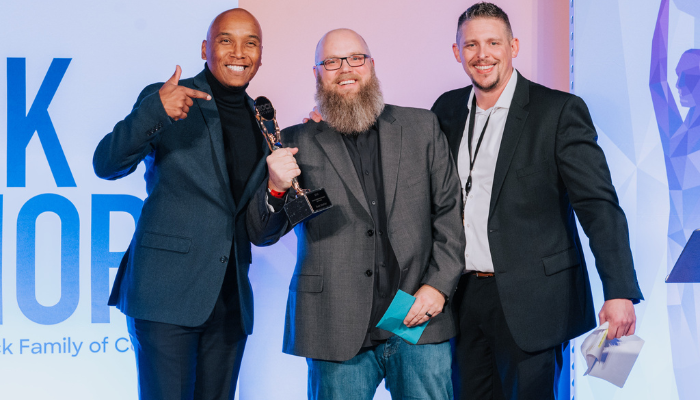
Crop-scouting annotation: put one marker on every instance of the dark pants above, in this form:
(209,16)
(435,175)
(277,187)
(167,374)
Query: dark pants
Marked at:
(202,362)
(487,363)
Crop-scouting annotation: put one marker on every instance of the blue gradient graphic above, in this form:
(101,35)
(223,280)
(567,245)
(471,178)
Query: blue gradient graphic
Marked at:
(101,259)
(22,125)
(613,54)
(26,265)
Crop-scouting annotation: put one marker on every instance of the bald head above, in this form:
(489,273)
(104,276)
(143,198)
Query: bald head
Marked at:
(233,48)
(348,96)
(340,40)
(234,16)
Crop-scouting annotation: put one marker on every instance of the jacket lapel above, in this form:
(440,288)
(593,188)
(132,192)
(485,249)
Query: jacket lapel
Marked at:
(260,171)
(213,122)
(517,115)
(332,143)
(459,122)
(390,148)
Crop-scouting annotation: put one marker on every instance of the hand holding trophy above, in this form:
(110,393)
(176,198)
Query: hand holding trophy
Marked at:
(305,203)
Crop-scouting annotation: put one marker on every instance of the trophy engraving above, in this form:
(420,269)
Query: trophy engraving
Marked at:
(305,204)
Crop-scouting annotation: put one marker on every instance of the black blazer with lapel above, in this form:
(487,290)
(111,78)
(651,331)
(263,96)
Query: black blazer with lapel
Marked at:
(549,166)
(175,264)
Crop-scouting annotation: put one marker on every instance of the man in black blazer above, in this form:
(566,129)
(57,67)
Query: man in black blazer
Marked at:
(527,162)
(183,282)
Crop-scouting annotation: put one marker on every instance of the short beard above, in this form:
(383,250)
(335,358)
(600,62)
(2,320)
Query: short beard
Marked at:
(350,115)
(486,88)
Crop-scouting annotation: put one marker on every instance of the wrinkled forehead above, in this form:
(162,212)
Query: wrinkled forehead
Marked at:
(340,43)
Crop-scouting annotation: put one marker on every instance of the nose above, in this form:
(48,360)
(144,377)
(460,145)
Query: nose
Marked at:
(482,52)
(345,65)
(237,51)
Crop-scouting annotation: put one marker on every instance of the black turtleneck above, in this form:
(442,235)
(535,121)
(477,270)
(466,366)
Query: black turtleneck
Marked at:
(243,149)
(242,139)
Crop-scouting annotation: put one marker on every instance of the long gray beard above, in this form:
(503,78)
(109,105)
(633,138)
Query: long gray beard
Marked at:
(351,116)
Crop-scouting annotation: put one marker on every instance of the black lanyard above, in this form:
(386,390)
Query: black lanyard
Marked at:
(470,136)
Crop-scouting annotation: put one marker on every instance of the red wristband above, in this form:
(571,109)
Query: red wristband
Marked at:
(275,193)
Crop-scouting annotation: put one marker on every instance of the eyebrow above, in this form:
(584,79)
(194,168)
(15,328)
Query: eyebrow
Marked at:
(229,34)
(349,55)
(465,41)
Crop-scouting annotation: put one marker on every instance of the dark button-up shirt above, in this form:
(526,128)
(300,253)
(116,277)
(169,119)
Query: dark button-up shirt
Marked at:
(366,157)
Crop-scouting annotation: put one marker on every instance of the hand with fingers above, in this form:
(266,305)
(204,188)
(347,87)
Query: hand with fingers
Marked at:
(283,168)
(177,99)
(313,115)
(429,303)
(619,313)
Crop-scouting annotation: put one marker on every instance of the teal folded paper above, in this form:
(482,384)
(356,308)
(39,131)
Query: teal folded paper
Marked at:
(392,320)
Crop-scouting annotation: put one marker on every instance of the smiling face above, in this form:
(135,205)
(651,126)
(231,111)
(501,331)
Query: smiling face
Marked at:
(346,80)
(486,51)
(233,48)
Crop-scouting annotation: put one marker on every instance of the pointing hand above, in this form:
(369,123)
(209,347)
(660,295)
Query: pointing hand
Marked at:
(177,99)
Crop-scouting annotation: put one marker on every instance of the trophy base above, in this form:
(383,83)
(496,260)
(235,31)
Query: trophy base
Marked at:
(307,206)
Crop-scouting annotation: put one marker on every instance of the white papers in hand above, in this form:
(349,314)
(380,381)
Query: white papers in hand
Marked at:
(611,360)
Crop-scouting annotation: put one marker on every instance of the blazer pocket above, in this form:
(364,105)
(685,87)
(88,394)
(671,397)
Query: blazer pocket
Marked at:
(306,283)
(177,244)
(560,261)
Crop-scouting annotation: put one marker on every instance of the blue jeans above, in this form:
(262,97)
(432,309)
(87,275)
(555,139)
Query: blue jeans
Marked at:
(411,372)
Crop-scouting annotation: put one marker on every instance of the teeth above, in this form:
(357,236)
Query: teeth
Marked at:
(483,67)
(346,82)
(237,68)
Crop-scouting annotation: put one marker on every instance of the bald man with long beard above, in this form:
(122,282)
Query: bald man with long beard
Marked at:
(395,224)
(183,282)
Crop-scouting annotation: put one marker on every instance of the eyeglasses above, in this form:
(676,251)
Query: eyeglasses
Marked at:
(355,60)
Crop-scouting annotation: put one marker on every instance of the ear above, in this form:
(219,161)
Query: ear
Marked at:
(372,60)
(514,47)
(315,72)
(455,50)
(204,49)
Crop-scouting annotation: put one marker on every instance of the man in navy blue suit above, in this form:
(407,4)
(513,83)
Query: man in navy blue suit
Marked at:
(183,282)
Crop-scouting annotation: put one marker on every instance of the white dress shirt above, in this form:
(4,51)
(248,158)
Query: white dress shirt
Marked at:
(476,206)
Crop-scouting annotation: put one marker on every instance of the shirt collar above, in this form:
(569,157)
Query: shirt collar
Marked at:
(506,96)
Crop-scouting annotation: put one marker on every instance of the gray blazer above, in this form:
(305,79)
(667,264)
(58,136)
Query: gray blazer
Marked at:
(330,296)
(175,265)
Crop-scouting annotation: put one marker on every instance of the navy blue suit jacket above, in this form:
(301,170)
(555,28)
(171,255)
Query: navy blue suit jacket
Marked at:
(175,265)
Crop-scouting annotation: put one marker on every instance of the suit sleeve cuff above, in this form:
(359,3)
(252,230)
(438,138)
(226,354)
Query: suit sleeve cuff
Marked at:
(274,204)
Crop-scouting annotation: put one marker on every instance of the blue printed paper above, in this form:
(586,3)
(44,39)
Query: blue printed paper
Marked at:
(392,320)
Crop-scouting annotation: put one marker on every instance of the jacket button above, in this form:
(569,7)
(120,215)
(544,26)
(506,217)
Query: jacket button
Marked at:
(370,232)
(223,259)
(368,272)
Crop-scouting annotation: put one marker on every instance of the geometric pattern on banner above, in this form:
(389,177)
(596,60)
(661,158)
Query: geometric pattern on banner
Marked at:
(680,138)
(656,171)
